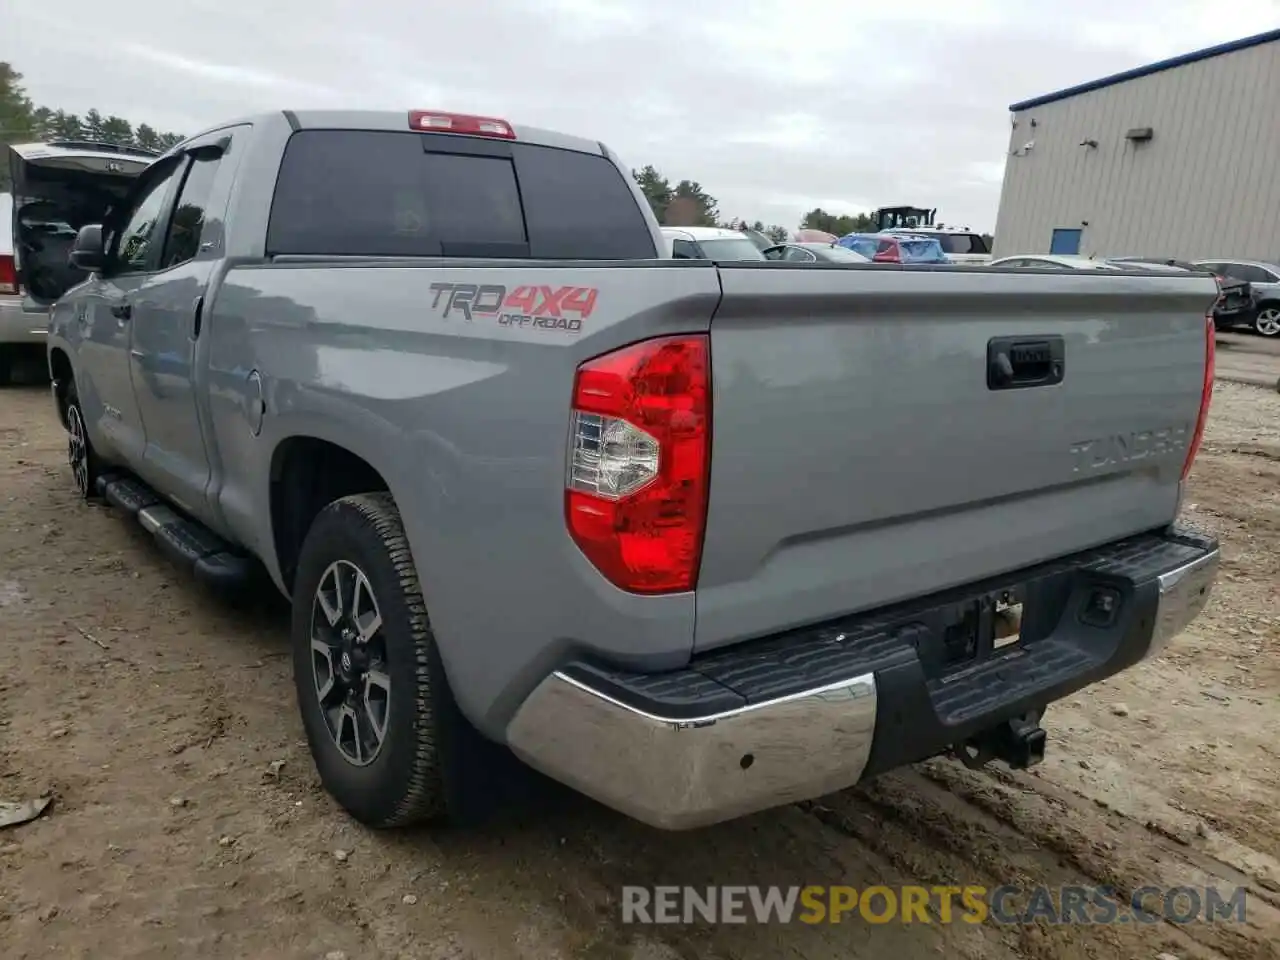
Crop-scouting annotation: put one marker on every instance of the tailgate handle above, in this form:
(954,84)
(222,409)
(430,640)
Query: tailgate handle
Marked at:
(1018,362)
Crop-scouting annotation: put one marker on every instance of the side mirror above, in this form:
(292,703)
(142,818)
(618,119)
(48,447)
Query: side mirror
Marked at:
(87,253)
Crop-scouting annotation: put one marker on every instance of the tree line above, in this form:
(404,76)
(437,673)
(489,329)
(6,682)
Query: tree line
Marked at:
(22,120)
(687,204)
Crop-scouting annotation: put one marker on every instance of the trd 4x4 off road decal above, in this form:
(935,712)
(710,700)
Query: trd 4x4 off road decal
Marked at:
(538,307)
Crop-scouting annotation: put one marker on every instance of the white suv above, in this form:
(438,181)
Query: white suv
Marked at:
(710,243)
(58,187)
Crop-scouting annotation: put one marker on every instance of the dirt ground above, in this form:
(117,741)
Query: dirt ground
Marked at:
(188,822)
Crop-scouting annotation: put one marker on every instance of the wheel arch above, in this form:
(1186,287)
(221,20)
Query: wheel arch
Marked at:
(306,474)
(62,374)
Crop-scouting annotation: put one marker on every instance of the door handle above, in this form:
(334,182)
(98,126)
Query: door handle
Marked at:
(1019,362)
(197,318)
(122,311)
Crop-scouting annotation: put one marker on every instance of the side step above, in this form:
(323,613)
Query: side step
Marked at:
(185,541)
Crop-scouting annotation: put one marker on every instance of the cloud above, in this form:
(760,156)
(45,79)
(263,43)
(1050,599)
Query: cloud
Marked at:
(773,106)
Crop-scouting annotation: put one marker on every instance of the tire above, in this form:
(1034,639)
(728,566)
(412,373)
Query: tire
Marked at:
(1267,321)
(402,777)
(81,457)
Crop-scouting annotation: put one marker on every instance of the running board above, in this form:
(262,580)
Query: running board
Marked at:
(184,541)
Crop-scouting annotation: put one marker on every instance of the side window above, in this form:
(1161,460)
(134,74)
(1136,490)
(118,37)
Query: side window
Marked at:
(885,246)
(799,255)
(775,253)
(1236,271)
(183,241)
(1248,271)
(683,250)
(134,240)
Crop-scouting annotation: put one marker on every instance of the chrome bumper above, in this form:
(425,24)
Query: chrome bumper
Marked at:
(682,773)
(21,326)
(1184,592)
(678,774)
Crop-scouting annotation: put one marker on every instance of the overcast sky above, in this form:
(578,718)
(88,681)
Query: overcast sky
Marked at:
(775,106)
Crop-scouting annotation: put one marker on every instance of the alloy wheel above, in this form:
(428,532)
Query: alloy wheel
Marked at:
(1268,321)
(349,662)
(78,449)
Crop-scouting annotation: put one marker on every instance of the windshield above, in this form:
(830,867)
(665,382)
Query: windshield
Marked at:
(863,245)
(731,248)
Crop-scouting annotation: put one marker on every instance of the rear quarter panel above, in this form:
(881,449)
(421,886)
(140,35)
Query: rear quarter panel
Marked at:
(467,421)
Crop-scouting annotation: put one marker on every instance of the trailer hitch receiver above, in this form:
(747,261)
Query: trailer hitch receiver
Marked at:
(1019,742)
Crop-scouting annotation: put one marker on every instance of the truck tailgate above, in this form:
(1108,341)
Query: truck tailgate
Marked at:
(860,455)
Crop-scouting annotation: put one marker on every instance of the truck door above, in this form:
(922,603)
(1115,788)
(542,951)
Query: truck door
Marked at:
(104,312)
(168,321)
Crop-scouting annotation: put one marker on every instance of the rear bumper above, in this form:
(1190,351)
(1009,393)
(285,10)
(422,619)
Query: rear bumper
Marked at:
(793,717)
(18,325)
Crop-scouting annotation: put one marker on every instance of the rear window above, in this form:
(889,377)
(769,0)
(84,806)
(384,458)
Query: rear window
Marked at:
(962,243)
(372,193)
(919,251)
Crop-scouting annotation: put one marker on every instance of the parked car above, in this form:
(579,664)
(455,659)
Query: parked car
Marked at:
(960,246)
(895,249)
(710,243)
(1234,307)
(814,253)
(1263,278)
(1054,261)
(1155,263)
(58,187)
(696,539)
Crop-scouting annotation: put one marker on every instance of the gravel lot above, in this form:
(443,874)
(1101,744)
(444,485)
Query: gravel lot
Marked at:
(187,820)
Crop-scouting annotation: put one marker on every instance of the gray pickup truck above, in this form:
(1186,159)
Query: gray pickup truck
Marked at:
(694,539)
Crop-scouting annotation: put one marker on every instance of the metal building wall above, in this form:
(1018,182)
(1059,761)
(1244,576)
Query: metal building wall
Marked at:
(1206,185)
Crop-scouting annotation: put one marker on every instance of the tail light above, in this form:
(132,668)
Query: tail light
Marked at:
(8,274)
(639,467)
(434,121)
(1206,396)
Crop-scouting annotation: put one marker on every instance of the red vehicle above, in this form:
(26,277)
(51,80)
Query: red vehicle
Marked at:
(888,248)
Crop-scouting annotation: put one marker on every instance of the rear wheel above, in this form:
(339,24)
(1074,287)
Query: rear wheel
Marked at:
(1267,321)
(81,456)
(369,680)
